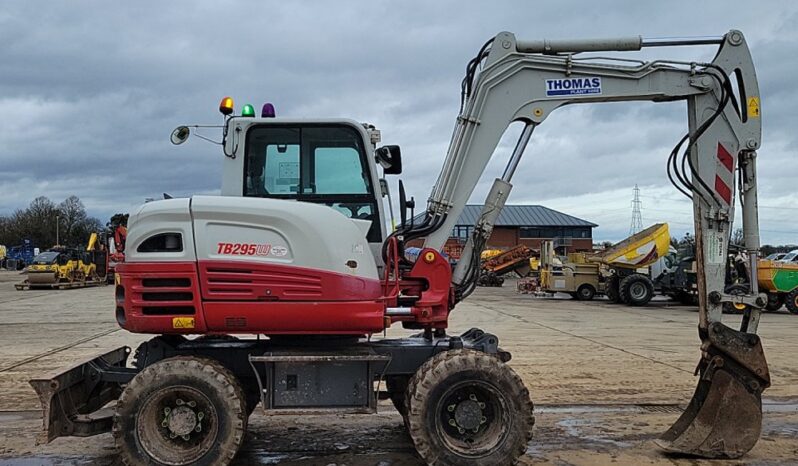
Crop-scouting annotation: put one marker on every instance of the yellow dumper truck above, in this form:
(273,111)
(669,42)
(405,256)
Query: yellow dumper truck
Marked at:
(620,271)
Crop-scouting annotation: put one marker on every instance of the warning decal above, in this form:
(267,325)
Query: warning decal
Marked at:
(753,107)
(182,322)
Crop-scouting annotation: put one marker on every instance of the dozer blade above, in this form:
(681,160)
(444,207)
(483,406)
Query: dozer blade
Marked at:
(724,417)
(71,398)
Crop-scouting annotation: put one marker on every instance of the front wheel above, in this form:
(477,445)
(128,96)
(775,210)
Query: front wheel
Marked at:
(468,408)
(636,290)
(585,293)
(180,411)
(775,301)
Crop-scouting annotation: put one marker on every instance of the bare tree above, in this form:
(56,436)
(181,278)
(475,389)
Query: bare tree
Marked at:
(42,218)
(737,237)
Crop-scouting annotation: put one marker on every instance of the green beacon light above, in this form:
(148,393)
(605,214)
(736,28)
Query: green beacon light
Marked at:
(248,111)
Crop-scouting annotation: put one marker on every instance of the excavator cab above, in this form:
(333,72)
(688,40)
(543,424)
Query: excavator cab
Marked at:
(332,162)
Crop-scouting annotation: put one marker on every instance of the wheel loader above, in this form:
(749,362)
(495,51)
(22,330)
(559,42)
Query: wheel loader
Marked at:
(296,251)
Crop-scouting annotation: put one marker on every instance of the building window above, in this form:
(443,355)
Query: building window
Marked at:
(555,232)
(462,231)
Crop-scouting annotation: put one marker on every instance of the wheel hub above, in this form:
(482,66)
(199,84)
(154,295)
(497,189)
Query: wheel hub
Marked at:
(637,290)
(182,420)
(467,415)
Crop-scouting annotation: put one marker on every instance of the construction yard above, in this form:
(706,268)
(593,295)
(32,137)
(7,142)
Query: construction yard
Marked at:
(606,379)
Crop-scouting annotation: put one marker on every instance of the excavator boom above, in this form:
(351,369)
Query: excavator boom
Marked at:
(527,80)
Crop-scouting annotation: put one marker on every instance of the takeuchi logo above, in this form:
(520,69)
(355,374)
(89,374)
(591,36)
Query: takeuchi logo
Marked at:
(244,249)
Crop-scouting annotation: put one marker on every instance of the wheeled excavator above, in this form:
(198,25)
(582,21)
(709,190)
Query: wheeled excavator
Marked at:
(296,251)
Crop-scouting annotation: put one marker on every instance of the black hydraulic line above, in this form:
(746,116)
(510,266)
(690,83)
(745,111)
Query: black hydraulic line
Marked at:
(466,86)
(673,169)
(725,95)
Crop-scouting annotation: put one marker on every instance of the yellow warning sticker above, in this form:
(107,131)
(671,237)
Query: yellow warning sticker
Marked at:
(182,322)
(753,107)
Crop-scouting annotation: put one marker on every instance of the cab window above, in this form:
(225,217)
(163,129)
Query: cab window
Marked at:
(325,164)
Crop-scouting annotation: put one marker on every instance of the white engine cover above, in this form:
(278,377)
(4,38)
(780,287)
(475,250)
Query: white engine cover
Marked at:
(254,229)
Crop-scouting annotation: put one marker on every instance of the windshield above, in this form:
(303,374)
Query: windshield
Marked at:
(45,258)
(324,164)
(790,257)
(295,161)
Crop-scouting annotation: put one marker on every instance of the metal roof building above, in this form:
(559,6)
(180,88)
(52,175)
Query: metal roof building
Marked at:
(523,216)
(524,224)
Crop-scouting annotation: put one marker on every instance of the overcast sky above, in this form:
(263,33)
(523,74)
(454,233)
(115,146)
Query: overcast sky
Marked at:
(90,91)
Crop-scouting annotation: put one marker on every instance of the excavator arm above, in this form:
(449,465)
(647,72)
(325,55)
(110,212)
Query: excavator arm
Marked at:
(527,80)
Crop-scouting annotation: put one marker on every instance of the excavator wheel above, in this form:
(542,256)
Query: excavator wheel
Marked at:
(612,289)
(792,301)
(775,301)
(636,290)
(180,411)
(468,408)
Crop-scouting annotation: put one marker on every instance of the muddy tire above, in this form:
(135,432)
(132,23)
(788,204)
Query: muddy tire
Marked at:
(585,293)
(468,408)
(636,290)
(612,289)
(775,301)
(180,411)
(396,386)
(791,302)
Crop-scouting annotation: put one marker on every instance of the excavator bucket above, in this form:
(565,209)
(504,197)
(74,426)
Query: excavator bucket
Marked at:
(724,417)
(72,399)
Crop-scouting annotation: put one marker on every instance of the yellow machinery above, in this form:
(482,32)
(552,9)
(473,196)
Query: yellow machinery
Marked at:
(68,268)
(496,263)
(780,281)
(613,271)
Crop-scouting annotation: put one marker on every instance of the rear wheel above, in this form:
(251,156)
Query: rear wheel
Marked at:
(636,290)
(468,408)
(792,301)
(775,301)
(585,293)
(180,411)
(612,289)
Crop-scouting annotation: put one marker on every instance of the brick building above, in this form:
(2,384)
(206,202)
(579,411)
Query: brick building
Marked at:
(528,225)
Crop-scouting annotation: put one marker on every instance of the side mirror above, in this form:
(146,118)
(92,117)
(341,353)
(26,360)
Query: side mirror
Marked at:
(390,158)
(180,135)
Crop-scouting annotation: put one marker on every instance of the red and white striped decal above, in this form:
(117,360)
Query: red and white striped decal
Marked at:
(721,187)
